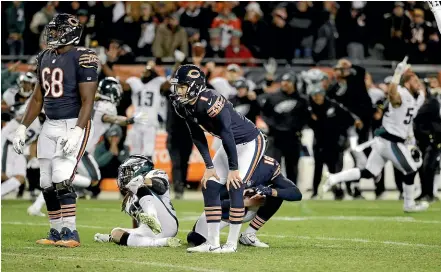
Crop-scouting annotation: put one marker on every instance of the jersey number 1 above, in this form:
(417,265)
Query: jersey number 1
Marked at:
(53,86)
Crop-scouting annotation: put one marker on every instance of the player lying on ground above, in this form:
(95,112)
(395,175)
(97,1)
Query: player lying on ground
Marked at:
(234,162)
(389,142)
(108,96)
(267,185)
(147,201)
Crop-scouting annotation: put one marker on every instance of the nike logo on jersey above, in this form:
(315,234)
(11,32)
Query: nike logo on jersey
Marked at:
(209,103)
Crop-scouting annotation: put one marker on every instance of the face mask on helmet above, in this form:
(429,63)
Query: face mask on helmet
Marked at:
(188,82)
(135,165)
(64,29)
(109,89)
(26,83)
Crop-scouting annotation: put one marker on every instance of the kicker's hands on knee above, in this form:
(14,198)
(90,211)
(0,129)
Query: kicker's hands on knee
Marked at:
(135,183)
(209,173)
(19,139)
(70,142)
(234,179)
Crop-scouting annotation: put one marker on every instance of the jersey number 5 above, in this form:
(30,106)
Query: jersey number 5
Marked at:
(409,116)
(52,82)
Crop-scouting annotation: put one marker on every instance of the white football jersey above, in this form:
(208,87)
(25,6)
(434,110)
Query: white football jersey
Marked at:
(399,121)
(147,97)
(9,96)
(100,108)
(32,132)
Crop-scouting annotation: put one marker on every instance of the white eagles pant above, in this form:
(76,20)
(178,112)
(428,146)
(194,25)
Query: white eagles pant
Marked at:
(13,164)
(56,167)
(248,156)
(384,150)
(167,218)
(143,139)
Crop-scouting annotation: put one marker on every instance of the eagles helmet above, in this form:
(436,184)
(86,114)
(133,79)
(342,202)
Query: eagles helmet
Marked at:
(64,29)
(191,76)
(110,89)
(135,165)
(26,84)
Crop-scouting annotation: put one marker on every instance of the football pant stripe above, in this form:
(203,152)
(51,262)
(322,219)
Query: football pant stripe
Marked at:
(257,155)
(82,148)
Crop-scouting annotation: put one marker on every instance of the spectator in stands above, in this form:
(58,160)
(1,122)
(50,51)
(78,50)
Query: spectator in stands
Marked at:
(325,45)
(148,27)
(214,49)
(196,17)
(397,32)
(88,29)
(302,23)
(170,36)
(280,36)
(226,21)
(421,32)
(119,53)
(357,32)
(255,29)
(236,50)
(193,38)
(41,19)
(111,152)
(16,25)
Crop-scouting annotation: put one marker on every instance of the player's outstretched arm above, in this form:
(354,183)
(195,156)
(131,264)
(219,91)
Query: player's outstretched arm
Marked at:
(394,95)
(34,107)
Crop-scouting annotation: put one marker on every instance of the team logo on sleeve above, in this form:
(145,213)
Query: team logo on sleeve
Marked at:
(217,107)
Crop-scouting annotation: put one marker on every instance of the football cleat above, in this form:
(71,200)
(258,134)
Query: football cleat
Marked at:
(102,238)
(68,238)
(416,207)
(152,221)
(35,212)
(52,238)
(324,185)
(229,248)
(205,247)
(173,242)
(250,239)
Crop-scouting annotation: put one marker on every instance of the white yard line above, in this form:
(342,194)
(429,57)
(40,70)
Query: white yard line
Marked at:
(156,264)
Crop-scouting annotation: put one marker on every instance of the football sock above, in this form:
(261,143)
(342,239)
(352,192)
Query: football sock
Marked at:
(53,208)
(81,181)
(68,202)
(347,175)
(436,184)
(213,211)
(264,213)
(233,234)
(39,202)
(408,194)
(213,233)
(10,185)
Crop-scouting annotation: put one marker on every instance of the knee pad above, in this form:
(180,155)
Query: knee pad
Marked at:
(195,239)
(65,190)
(212,194)
(366,174)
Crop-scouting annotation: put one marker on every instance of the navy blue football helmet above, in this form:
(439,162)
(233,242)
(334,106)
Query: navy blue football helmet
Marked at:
(191,76)
(64,29)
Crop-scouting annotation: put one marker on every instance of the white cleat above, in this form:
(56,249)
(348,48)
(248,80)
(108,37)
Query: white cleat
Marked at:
(229,248)
(152,221)
(324,185)
(417,207)
(35,212)
(205,247)
(173,242)
(250,239)
(101,238)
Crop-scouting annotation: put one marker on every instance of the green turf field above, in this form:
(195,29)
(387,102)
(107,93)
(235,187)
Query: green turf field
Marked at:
(307,236)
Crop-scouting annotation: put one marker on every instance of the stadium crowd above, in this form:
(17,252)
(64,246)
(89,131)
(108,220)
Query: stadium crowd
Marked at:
(246,30)
(121,31)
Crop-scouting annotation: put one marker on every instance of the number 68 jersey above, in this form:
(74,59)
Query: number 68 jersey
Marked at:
(59,76)
(399,121)
(146,97)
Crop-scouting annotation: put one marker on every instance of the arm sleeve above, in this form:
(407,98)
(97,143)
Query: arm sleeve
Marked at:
(286,189)
(200,142)
(87,67)
(224,120)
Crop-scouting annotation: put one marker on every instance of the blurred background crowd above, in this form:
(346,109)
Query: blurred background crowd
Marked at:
(258,54)
(246,30)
